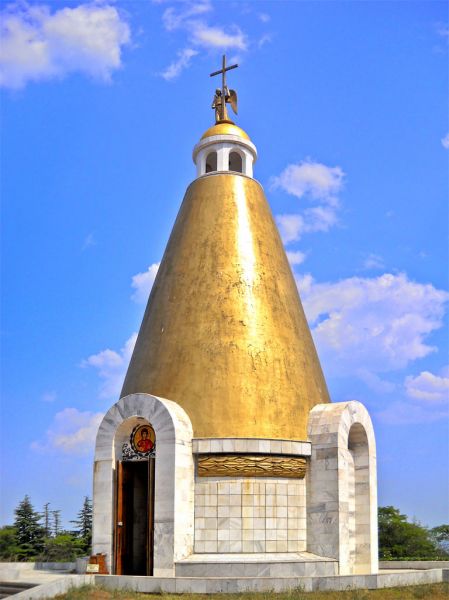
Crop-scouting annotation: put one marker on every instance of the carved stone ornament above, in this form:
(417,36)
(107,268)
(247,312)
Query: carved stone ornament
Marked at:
(237,465)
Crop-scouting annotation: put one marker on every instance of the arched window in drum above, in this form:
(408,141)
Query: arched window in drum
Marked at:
(211,162)
(235,162)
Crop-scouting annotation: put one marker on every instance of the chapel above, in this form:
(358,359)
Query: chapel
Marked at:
(224,454)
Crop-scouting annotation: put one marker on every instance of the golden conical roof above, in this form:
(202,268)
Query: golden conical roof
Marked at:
(224,333)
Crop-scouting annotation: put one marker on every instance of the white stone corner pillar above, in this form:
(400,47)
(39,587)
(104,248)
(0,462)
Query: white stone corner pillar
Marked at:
(174,479)
(342,487)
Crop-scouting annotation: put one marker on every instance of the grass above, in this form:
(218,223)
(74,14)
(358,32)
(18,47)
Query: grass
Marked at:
(437,591)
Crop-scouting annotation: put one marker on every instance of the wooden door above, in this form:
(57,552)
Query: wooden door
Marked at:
(150,547)
(122,480)
(126,519)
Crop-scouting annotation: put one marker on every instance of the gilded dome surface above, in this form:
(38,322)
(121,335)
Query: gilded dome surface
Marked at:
(224,333)
(225,128)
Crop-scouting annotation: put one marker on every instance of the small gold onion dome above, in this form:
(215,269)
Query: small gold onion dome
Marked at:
(224,333)
(225,128)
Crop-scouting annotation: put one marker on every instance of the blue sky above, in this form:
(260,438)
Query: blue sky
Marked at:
(102,103)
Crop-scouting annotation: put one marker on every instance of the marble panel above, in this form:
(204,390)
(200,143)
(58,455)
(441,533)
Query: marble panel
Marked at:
(235,487)
(224,511)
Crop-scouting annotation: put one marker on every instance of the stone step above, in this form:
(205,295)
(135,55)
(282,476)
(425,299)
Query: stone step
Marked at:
(258,565)
(9,588)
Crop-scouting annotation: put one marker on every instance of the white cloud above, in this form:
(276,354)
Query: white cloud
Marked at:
(72,432)
(296,258)
(372,325)
(111,367)
(89,241)
(427,386)
(174,18)
(443,30)
(375,382)
(143,282)
(291,227)
(216,37)
(191,17)
(311,178)
(318,218)
(175,68)
(185,16)
(49,396)
(445,141)
(264,17)
(317,182)
(266,38)
(405,413)
(373,261)
(38,44)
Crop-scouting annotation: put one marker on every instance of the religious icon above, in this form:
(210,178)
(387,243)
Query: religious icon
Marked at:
(143,440)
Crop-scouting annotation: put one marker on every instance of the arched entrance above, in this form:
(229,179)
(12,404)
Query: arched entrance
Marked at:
(173,478)
(134,498)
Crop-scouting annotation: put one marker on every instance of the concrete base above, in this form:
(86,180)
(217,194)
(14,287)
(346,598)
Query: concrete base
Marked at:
(31,572)
(214,585)
(398,565)
(211,585)
(46,587)
(290,564)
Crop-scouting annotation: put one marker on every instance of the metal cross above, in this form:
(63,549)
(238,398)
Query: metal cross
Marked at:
(223,70)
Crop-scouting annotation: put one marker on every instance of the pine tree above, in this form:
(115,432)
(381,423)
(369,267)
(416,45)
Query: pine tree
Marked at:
(29,531)
(84,523)
(46,518)
(8,544)
(56,522)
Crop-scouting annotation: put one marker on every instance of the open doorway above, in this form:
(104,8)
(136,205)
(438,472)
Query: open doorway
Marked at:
(134,526)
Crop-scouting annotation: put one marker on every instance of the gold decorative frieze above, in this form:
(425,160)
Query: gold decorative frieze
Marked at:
(238,465)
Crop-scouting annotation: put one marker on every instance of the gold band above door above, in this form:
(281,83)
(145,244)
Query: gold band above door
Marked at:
(238,465)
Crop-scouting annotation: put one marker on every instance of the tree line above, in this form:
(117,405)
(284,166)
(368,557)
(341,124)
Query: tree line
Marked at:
(401,540)
(39,536)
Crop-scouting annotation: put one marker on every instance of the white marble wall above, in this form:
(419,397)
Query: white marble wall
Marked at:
(174,478)
(250,515)
(258,514)
(342,487)
(251,446)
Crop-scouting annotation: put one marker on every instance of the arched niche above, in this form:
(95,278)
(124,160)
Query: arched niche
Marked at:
(342,487)
(211,162)
(173,504)
(358,497)
(235,161)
